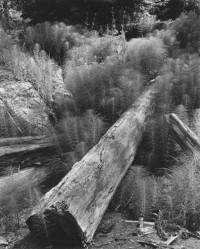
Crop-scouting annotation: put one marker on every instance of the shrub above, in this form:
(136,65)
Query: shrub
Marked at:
(19,190)
(180,198)
(39,69)
(187,32)
(167,35)
(146,55)
(108,89)
(77,135)
(137,194)
(99,77)
(195,122)
(97,49)
(56,39)
(5,44)
(146,23)
(176,194)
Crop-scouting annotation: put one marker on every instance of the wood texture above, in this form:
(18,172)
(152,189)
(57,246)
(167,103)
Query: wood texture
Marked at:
(182,134)
(71,212)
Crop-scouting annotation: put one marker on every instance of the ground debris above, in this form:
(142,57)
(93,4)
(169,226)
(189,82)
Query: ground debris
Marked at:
(102,244)
(159,244)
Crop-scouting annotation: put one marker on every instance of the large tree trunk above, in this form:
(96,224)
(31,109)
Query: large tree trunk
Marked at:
(182,134)
(71,212)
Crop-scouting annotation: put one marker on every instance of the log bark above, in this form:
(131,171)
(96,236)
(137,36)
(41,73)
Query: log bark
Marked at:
(71,212)
(182,134)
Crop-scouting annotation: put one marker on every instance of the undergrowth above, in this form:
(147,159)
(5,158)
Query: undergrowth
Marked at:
(56,39)
(179,198)
(19,191)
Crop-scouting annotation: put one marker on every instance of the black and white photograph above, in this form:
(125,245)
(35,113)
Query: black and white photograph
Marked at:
(100,124)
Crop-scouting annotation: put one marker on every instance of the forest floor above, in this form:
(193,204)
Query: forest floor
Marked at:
(113,232)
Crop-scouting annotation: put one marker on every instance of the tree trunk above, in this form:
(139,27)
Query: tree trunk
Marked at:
(71,212)
(187,140)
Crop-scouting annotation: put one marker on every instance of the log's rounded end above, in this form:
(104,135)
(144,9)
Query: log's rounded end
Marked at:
(56,229)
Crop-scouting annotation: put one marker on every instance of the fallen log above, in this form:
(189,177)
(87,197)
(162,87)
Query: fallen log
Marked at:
(22,140)
(71,212)
(182,134)
(14,151)
(15,146)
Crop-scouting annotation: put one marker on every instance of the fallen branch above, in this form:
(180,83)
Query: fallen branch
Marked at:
(182,134)
(22,140)
(171,240)
(136,221)
(158,226)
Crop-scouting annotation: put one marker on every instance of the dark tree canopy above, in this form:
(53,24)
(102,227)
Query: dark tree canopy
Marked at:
(78,11)
(98,12)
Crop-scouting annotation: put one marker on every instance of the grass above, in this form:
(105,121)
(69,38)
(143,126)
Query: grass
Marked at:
(179,196)
(18,192)
(138,193)
(56,39)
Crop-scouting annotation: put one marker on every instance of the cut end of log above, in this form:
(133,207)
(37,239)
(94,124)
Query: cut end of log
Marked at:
(57,228)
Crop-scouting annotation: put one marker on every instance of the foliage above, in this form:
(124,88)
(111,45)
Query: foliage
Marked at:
(97,49)
(138,193)
(75,131)
(92,71)
(5,43)
(146,55)
(179,198)
(39,69)
(19,190)
(56,39)
(100,77)
(168,37)
(187,28)
(178,92)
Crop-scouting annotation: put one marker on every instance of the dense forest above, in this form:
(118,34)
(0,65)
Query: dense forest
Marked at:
(78,78)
